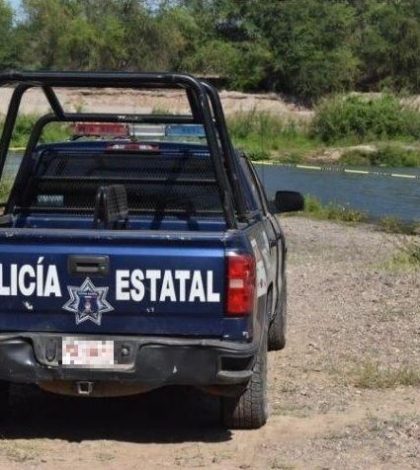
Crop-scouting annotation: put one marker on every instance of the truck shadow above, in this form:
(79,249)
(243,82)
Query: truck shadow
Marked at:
(169,415)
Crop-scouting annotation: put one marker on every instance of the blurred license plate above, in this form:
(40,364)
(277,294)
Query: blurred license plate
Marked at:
(87,353)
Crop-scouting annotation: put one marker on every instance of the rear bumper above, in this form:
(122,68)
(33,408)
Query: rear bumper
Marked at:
(151,361)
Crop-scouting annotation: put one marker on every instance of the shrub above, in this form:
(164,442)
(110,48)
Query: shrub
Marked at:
(53,132)
(392,224)
(258,155)
(388,155)
(395,156)
(260,123)
(355,158)
(331,211)
(359,118)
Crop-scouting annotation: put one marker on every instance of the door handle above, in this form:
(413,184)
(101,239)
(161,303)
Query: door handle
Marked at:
(93,265)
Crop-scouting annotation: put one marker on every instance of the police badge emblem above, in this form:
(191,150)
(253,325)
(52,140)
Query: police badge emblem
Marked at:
(88,302)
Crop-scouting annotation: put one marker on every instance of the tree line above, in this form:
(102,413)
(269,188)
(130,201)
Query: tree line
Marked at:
(307,48)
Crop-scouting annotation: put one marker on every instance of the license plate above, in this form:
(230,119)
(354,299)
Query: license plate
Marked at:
(84,353)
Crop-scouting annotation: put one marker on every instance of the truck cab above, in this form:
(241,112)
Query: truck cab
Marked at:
(139,253)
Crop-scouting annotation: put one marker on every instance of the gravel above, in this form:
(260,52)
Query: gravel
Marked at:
(344,393)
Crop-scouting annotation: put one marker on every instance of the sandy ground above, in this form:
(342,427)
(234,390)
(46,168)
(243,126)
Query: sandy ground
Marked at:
(353,323)
(131,101)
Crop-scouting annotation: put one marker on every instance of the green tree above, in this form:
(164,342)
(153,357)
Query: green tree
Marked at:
(307,48)
(227,44)
(311,44)
(8,52)
(389,45)
(302,47)
(103,34)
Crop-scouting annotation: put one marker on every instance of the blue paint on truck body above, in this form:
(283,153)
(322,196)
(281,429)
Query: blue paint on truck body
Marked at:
(173,246)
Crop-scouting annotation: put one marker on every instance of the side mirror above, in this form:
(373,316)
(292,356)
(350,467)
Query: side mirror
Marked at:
(288,201)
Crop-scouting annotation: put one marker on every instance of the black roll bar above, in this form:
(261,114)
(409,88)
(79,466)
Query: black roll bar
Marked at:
(9,123)
(197,93)
(54,102)
(231,161)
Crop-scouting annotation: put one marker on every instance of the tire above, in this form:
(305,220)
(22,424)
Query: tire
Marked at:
(250,409)
(4,398)
(277,328)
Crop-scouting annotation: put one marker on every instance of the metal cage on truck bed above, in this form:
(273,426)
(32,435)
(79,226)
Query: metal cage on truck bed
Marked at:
(206,110)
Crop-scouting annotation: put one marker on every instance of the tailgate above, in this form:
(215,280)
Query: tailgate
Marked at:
(160,285)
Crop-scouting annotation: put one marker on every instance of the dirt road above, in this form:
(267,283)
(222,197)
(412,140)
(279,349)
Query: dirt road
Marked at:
(344,394)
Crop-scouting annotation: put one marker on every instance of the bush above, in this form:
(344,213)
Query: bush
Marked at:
(360,118)
(391,224)
(53,132)
(388,155)
(331,211)
(260,133)
(395,156)
(355,157)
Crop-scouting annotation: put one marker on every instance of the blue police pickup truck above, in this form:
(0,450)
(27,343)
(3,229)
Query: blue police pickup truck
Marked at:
(140,253)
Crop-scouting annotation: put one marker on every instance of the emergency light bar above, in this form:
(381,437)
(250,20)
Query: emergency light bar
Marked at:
(185,130)
(143,131)
(98,129)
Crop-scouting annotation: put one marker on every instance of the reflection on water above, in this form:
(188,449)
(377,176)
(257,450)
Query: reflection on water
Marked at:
(377,195)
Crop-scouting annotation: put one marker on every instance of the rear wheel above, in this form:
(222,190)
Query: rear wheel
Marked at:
(277,328)
(4,398)
(250,409)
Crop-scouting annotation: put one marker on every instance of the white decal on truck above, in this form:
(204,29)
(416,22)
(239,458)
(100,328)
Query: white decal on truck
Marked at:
(28,280)
(88,302)
(163,286)
(261,272)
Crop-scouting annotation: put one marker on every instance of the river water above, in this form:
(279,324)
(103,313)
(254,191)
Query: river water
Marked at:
(378,196)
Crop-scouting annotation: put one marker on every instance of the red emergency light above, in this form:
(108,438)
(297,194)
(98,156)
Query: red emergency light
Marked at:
(98,129)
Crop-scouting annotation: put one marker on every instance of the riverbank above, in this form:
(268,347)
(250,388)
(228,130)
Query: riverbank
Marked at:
(344,214)
(344,393)
(355,129)
(347,130)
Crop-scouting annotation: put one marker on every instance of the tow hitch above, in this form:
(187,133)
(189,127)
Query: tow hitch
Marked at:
(84,388)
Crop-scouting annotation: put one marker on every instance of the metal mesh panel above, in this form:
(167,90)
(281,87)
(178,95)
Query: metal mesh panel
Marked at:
(154,182)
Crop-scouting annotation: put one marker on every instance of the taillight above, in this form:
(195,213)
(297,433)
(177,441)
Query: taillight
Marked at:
(240,284)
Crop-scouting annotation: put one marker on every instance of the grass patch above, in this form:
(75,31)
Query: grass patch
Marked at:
(407,257)
(5,188)
(264,136)
(392,224)
(360,118)
(373,375)
(331,211)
